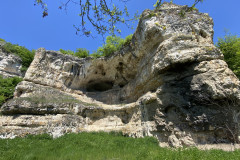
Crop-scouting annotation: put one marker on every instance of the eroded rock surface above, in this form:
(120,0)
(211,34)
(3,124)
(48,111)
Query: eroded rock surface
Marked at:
(10,64)
(170,82)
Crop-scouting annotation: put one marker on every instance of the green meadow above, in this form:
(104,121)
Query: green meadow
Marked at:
(100,146)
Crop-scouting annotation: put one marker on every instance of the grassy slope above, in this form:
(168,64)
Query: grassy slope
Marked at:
(99,146)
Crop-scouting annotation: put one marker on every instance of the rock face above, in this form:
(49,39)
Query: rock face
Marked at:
(170,82)
(10,64)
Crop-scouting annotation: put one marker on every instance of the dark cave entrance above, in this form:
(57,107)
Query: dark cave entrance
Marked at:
(99,86)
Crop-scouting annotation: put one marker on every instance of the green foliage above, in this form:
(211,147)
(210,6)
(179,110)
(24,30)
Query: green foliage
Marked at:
(128,39)
(7,86)
(230,47)
(98,146)
(182,13)
(26,55)
(157,4)
(113,44)
(194,5)
(82,53)
(102,16)
(2,40)
(95,55)
(68,52)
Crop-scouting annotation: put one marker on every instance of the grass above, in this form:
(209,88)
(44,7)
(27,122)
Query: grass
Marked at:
(100,146)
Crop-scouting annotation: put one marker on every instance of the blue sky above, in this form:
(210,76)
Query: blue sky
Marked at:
(22,22)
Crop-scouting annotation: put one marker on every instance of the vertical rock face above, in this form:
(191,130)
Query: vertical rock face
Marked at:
(10,64)
(170,82)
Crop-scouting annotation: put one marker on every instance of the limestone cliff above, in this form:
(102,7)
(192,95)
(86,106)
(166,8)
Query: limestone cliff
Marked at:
(170,82)
(10,64)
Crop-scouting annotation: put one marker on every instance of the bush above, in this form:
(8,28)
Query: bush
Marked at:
(2,40)
(25,54)
(7,86)
(230,47)
(95,55)
(128,39)
(68,52)
(113,44)
(82,53)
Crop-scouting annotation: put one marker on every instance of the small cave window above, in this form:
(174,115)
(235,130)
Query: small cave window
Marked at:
(121,85)
(99,86)
(203,34)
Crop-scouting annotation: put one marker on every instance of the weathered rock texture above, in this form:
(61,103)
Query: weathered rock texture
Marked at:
(10,64)
(170,82)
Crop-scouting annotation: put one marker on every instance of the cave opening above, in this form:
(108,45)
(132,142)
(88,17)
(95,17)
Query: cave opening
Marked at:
(203,34)
(99,86)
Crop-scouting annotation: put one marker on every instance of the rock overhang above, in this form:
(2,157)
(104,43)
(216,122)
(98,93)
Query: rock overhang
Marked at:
(169,82)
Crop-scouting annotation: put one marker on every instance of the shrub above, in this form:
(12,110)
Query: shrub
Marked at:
(2,40)
(25,54)
(113,44)
(95,55)
(68,52)
(128,39)
(7,86)
(230,47)
(82,53)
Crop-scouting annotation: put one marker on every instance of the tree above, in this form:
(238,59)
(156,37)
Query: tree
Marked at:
(196,2)
(104,16)
(230,47)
